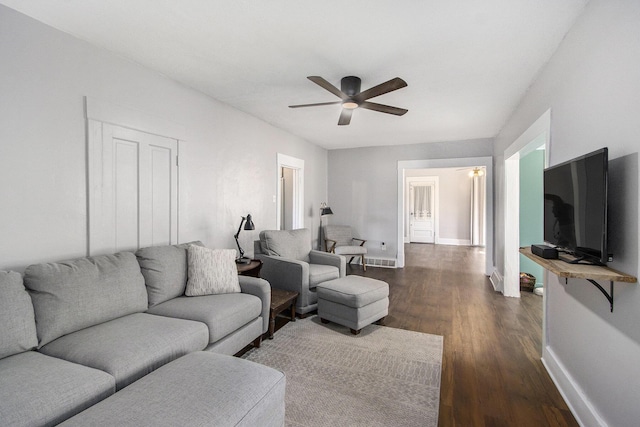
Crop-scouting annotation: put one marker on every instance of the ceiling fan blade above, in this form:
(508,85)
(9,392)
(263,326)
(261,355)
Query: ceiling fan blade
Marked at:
(328,86)
(382,88)
(315,105)
(345,117)
(383,108)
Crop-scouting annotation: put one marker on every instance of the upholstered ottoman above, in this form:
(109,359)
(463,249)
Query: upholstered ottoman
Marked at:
(353,301)
(199,389)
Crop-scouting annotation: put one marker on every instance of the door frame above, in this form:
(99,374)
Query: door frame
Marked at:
(539,133)
(297,165)
(487,162)
(100,110)
(436,201)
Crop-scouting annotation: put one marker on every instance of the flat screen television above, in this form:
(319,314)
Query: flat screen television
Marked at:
(575,207)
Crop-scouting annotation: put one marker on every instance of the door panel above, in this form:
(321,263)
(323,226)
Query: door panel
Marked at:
(133,184)
(422,213)
(125,195)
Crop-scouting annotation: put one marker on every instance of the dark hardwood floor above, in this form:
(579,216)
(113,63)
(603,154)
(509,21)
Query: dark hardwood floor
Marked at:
(492,374)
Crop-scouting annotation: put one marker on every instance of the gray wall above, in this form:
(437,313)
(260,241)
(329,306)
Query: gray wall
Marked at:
(363,185)
(228,164)
(592,86)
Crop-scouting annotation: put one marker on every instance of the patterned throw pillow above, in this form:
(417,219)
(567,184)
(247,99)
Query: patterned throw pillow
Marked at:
(211,271)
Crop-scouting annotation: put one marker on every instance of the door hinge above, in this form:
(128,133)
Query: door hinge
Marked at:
(177,162)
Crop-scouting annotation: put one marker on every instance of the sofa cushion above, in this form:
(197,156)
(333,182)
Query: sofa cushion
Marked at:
(131,346)
(223,314)
(211,271)
(18,324)
(292,244)
(165,270)
(200,389)
(38,390)
(319,273)
(69,296)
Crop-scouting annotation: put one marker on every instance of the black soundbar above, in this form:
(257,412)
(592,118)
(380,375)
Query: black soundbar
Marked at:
(544,251)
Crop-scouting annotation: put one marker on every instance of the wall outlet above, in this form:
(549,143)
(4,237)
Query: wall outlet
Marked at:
(383,247)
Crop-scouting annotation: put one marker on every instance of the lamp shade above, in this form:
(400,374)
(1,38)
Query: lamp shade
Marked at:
(249,224)
(326,211)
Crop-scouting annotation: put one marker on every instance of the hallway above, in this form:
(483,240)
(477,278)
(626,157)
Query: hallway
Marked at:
(492,373)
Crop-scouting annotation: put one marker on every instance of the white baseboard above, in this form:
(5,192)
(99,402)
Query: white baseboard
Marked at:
(456,242)
(578,403)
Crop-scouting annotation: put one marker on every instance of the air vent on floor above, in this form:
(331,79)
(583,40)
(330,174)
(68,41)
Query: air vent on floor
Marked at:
(381,262)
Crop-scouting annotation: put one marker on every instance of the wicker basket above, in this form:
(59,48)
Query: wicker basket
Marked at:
(527,282)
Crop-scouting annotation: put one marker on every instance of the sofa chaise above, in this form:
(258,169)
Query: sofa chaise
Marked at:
(76,332)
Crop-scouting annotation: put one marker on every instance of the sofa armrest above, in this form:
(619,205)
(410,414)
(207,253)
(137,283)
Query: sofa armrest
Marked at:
(261,289)
(284,273)
(319,257)
(289,275)
(362,241)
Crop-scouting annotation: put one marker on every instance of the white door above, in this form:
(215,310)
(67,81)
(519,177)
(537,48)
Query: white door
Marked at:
(133,189)
(422,213)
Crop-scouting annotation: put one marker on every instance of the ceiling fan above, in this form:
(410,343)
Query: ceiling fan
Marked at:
(352,98)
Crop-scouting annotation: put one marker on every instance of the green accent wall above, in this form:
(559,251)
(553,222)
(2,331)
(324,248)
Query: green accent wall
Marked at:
(531,208)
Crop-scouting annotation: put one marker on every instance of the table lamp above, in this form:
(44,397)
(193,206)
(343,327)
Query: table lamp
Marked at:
(248,225)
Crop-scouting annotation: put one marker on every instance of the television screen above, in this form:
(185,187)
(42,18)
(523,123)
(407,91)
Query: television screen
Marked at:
(575,206)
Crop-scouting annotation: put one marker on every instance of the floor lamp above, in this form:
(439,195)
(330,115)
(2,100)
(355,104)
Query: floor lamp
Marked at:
(324,210)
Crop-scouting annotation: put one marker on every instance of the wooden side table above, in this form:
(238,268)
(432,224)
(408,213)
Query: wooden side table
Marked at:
(280,301)
(252,269)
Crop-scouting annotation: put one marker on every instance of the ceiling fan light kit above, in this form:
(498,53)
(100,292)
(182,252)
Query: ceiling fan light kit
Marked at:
(352,98)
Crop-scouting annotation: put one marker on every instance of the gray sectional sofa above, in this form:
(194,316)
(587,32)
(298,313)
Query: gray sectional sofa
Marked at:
(75,333)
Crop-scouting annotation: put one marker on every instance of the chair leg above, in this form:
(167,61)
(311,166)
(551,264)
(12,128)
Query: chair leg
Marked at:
(351,259)
(364,264)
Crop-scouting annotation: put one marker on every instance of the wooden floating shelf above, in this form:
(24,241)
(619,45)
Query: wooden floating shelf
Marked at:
(592,273)
(578,271)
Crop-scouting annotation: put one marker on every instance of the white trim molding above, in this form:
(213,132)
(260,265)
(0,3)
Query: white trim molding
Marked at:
(128,117)
(536,135)
(576,399)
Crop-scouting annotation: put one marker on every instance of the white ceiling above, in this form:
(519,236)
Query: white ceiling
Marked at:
(467,62)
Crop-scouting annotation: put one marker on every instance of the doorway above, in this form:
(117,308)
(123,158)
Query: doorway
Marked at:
(287,178)
(290,193)
(405,168)
(533,138)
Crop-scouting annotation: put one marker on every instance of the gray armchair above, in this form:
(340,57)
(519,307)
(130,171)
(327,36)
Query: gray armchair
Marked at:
(339,240)
(290,264)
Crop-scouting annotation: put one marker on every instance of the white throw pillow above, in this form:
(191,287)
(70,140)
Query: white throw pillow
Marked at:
(211,271)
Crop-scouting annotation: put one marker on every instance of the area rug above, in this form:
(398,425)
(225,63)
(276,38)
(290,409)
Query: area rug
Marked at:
(381,377)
